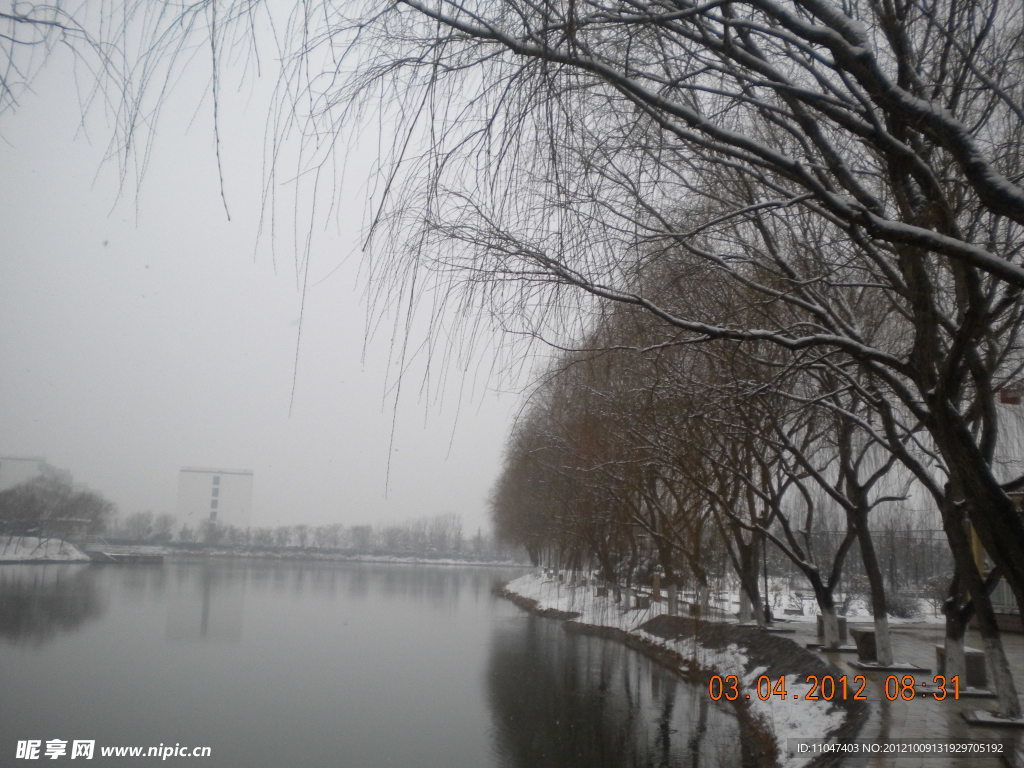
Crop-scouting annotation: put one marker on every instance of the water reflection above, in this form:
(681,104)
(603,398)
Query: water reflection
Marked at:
(332,664)
(560,699)
(205,606)
(40,602)
(207,600)
(437,585)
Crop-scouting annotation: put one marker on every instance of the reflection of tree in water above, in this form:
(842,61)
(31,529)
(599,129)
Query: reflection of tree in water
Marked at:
(140,583)
(38,602)
(439,585)
(563,701)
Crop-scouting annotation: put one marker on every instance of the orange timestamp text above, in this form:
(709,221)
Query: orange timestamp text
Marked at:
(834,688)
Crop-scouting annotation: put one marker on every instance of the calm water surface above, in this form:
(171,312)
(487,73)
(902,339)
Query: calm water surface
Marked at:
(362,665)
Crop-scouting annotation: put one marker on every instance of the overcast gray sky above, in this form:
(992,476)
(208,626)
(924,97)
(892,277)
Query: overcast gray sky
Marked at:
(142,333)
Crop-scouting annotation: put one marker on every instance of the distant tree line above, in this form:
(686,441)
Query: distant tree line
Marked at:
(47,507)
(51,508)
(436,536)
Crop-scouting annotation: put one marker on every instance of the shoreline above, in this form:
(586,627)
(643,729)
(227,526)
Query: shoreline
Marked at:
(185,555)
(174,554)
(695,649)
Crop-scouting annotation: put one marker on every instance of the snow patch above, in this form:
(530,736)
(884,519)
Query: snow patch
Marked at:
(34,549)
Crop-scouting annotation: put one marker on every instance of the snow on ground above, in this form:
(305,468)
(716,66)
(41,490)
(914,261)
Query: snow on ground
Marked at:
(797,718)
(787,718)
(598,611)
(789,601)
(33,549)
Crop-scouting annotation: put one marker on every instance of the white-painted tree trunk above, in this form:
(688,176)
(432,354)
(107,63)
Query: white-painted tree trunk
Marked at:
(830,627)
(955,658)
(1002,678)
(883,641)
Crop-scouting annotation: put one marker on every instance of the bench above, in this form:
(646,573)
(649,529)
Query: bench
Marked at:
(974,667)
(864,639)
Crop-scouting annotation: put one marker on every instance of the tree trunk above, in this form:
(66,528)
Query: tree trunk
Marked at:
(879,608)
(830,627)
(883,640)
(753,597)
(829,619)
(956,628)
(995,517)
(745,613)
(703,598)
(1002,677)
(749,586)
(953,650)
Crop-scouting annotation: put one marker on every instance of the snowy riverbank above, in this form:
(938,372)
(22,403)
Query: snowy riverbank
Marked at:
(701,649)
(179,552)
(30,549)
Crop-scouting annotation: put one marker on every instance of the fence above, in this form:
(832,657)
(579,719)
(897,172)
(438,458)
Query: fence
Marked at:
(913,562)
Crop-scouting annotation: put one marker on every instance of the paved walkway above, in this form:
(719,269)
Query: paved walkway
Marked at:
(925,718)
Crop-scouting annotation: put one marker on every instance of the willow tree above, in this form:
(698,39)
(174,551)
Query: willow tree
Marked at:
(822,154)
(552,144)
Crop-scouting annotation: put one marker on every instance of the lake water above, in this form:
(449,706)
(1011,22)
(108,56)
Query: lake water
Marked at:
(365,665)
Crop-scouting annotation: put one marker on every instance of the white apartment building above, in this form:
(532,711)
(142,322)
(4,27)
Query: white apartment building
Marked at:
(222,496)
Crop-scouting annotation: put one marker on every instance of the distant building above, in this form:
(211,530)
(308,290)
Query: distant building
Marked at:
(222,496)
(15,470)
